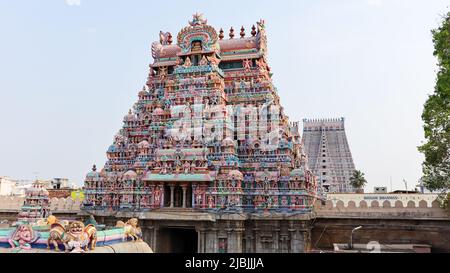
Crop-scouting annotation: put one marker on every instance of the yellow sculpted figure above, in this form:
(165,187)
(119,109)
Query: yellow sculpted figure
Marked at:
(131,229)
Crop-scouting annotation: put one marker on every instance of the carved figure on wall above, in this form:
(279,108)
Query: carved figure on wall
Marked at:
(23,237)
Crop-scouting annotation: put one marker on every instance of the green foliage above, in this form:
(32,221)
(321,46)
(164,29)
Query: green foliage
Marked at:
(357,180)
(436,116)
(444,200)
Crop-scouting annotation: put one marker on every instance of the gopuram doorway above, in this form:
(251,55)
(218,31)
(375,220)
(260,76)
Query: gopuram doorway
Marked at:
(177,240)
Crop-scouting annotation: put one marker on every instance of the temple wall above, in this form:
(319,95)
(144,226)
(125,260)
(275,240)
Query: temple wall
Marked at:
(411,219)
(383,231)
(384,200)
(415,222)
(229,235)
(406,206)
(11,203)
(57,205)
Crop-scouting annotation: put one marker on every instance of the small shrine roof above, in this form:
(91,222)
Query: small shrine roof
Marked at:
(168,51)
(238,44)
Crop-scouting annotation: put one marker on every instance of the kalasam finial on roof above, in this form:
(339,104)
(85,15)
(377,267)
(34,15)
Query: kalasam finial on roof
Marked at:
(242,32)
(253,31)
(231,33)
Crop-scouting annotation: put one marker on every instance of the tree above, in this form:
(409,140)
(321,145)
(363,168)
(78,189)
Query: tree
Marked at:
(436,117)
(357,180)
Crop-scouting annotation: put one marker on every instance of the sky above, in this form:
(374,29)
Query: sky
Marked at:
(71,69)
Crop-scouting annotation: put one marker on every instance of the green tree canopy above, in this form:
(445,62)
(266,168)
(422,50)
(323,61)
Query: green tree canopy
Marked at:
(357,180)
(436,116)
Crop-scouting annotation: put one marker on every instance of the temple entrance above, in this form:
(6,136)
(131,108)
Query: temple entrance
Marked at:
(177,240)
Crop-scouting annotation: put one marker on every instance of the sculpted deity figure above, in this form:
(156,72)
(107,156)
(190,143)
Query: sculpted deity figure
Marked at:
(198,199)
(187,167)
(164,168)
(247,64)
(187,63)
(23,237)
(210,202)
(296,184)
(163,71)
(157,196)
(293,201)
(203,61)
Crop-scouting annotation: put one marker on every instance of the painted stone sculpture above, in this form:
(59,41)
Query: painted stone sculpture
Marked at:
(57,236)
(131,229)
(23,237)
(75,236)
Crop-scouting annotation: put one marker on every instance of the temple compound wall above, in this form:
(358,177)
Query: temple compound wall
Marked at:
(405,219)
(191,231)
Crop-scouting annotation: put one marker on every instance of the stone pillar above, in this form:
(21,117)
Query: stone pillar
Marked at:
(184,188)
(201,248)
(172,188)
(211,241)
(148,234)
(194,187)
(301,242)
(155,238)
(257,238)
(276,239)
(238,236)
(230,241)
(294,241)
(249,242)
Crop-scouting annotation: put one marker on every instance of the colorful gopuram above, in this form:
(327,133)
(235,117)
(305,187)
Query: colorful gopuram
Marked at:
(36,204)
(207,139)
(207,132)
